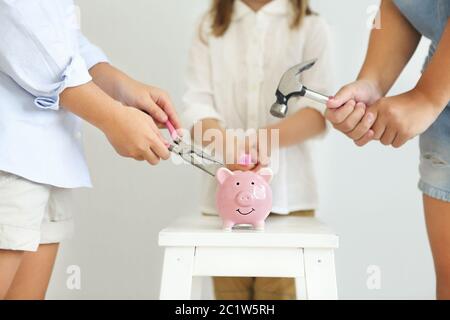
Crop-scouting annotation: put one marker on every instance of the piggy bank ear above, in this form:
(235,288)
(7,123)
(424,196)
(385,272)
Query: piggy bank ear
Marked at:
(266,174)
(223,174)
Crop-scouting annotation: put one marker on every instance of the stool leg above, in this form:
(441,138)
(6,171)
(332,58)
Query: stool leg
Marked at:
(197,288)
(300,288)
(320,274)
(300,282)
(176,283)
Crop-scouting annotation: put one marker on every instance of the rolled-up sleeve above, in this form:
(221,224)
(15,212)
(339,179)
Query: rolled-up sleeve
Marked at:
(198,99)
(37,53)
(91,54)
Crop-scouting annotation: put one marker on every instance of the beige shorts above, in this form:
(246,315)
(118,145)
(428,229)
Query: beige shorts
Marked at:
(32,214)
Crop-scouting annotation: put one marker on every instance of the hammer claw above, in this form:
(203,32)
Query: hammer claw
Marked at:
(291,86)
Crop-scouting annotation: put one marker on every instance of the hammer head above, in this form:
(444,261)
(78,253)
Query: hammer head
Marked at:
(289,86)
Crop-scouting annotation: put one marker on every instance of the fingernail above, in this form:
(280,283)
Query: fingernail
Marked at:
(331,97)
(370,118)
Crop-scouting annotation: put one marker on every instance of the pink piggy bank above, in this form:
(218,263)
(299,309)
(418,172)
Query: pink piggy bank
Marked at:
(244,197)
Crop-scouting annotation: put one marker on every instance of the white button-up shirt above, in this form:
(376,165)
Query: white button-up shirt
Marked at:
(42,52)
(234,78)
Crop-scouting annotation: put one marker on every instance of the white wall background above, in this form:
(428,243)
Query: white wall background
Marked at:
(368,195)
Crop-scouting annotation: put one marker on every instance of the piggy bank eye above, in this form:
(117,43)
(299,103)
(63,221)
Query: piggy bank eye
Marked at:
(237,183)
(253,183)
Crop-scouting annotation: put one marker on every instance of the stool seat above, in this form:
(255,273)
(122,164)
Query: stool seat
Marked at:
(280,231)
(290,247)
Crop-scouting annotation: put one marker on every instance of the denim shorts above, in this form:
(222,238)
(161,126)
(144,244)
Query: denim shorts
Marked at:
(435,159)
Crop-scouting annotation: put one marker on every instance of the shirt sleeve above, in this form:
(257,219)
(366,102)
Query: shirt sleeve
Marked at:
(198,99)
(91,54)
(37,53)
(320,77)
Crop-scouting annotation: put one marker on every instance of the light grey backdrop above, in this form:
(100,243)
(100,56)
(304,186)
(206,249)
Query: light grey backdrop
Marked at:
(368,195)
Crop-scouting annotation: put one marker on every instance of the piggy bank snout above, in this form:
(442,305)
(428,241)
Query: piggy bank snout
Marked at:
(245,198)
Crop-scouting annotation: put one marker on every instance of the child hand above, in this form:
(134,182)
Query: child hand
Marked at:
(401,118)
(347,110)
(133,134)
(260,153)
(151,100)
(240,165)
(254,158)
(240,155)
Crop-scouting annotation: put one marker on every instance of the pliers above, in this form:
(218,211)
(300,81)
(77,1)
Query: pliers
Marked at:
(191,154)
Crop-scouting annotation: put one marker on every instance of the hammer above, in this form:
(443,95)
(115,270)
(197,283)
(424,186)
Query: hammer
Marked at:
(290,86)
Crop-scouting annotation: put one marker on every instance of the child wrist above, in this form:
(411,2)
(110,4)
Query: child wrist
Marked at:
(109,117)
(422,94)
(375,83)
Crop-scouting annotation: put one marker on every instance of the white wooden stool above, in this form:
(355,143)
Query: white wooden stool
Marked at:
(290,247)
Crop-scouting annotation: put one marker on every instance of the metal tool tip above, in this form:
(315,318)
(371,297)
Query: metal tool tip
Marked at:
(279,110)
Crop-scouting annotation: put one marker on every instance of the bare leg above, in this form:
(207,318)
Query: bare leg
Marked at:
(437,214)
(9,264)
(32,278)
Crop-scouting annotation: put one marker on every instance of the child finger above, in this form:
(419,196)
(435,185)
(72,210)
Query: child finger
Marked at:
(388,136)
(399,141)
(379,128)
(366,139)
(158,114)
(353,119)
(257,167)
(264,160)
(159,147)
(165,103)
(155,129)
(337,116)
(363,127)
(342,97)
(151,157)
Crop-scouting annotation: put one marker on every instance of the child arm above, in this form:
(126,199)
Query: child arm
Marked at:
(58,76)
(401,118)
(301,126)
(131,92)
(387,55)
(201,115)
(125,89)
(389,51)
(435,81)
(231,148)
(131,132)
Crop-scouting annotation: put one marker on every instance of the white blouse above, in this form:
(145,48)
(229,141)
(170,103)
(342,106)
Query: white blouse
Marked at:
(234,78)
